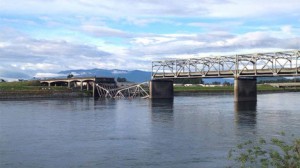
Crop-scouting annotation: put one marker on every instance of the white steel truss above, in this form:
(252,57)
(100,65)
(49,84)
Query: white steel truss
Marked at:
(284,63)
(138,90)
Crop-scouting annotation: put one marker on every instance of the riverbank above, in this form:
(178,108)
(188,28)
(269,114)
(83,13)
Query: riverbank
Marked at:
(41,94)
(230,89)
(33,90)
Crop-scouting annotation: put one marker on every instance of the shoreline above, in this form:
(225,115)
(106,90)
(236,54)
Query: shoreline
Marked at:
(23,95)
(33,95)
(226,92)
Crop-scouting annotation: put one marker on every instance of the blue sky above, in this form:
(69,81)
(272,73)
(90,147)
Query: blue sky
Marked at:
(42,37)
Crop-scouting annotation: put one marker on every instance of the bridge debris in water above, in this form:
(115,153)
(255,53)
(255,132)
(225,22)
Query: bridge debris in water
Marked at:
(103,87)
(136,90)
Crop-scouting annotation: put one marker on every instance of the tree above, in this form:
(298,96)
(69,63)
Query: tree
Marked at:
(216,83)
(70,75)
(121,79)
(188,80)
(226,83)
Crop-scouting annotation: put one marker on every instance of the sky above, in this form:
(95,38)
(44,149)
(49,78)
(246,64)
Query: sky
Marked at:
(39,38)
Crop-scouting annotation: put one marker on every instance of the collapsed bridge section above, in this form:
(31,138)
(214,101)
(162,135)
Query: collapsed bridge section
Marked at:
(102,87)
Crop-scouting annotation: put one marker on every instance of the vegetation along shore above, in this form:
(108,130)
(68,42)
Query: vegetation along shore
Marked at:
(33,89)
(261,88)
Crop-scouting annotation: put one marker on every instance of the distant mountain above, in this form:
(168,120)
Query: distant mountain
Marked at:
(220,80)
(231,80)
(133,76)
(12,75)
(270,79)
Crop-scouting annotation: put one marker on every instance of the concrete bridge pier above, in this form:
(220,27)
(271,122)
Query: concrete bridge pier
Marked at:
(87,86)
(161,89)
(245,89)
(95,93)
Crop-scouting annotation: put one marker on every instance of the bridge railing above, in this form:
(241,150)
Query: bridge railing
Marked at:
(257,64)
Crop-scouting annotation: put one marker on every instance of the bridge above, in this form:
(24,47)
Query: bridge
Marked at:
(103,87)
(244,68)
(84,83)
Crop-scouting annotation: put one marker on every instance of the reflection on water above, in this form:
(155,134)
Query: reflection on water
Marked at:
(161,109)
(190,131)
(102,103)
(245,106)
(245,113)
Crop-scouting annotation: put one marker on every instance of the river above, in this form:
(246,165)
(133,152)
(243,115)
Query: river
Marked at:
(190,131)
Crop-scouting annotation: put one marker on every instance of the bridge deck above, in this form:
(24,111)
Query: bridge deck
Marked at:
(78,79)
(230,74)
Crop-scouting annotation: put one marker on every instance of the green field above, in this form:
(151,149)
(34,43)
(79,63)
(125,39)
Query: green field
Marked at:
(203,89)
(33,89)
(35,86)
(260,88)
(27,86)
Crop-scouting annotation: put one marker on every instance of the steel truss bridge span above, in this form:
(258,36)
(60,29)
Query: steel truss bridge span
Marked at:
(137,90)
(285,63)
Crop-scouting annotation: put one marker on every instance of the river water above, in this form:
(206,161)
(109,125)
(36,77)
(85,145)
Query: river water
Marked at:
(190,131)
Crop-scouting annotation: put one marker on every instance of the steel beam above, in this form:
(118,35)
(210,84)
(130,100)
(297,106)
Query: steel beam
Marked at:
(283,63)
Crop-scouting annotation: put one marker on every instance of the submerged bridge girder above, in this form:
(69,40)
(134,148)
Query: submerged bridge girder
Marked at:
(136,90)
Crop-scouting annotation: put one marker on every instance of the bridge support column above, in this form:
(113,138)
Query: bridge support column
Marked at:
(94,89)
(87,86)
(245,89)
(161,89)
(95,92)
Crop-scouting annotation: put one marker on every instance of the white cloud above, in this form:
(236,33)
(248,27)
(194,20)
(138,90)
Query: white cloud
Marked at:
(26,54)
(39,66)
(101,31)
(249,8)
(119,72)
(3,44)
(287,29)
(217,26)
(146,41)
(55,35)
(144,21)
(47,75)
(186,46)
(137,8)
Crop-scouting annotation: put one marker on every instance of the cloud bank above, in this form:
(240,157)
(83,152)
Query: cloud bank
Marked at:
(42,37)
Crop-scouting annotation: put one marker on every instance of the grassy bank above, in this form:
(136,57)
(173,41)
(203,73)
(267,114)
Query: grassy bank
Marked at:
(27,86)
(33,89)
(260,88)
